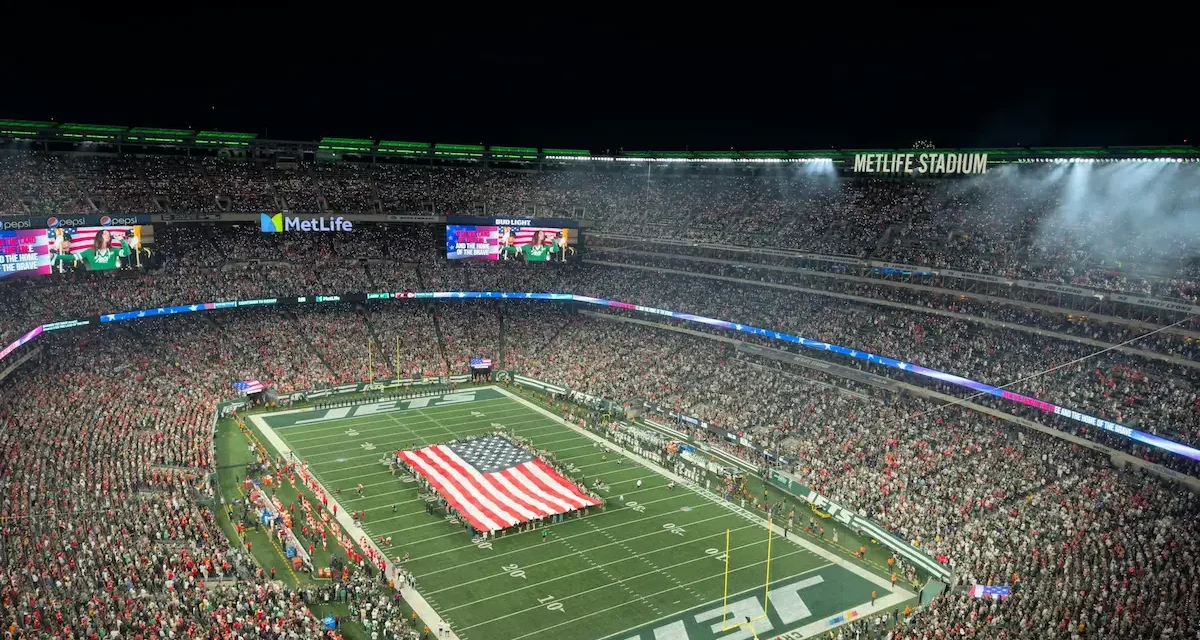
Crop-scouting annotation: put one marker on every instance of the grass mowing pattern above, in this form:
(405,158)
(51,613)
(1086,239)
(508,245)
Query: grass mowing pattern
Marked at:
(644,560)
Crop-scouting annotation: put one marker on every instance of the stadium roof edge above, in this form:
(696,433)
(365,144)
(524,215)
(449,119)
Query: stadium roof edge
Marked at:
(45,131)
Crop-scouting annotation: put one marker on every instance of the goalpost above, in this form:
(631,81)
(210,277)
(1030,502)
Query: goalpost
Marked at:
(749,622)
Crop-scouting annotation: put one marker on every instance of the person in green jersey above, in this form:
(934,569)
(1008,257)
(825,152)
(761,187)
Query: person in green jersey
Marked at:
(537,251)
(101,257)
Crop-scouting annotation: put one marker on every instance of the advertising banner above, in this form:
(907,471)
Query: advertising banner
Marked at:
(53,222)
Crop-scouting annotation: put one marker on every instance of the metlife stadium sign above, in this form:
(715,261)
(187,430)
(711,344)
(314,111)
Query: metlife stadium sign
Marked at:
(917,164)
(280,223)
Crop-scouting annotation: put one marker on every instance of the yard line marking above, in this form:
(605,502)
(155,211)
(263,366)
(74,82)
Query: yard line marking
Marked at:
(410,594)
(595,515)
(650,562)
(360,425)
(472,546)
(654,608)
(821,552)
(565,541)
(409,423)
(624,580)
(509,592)
(386,443)
(473,405)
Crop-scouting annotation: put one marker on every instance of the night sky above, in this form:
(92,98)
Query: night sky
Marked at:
(608,98)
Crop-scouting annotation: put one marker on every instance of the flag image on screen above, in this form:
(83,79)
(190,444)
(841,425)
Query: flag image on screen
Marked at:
(248,386)
(85,246)
(995,593)
(531,244)
(481,363)
(494,483)
(81,238)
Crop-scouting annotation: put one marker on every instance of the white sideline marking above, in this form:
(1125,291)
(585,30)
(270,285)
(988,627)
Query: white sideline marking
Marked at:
(819,551)
(640,575)
(897,595)
(425,611)
(419,605)
(489,558)
(370,423)
(581,571)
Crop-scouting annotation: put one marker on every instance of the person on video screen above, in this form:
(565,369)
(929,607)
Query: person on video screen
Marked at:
(506,242)
(562,246)
(60,247)
(540,250)
(100,257)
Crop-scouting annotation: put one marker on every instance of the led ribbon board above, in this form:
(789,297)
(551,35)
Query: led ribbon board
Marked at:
(941,376)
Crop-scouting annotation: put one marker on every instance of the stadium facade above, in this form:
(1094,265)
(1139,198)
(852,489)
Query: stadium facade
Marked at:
(53,136)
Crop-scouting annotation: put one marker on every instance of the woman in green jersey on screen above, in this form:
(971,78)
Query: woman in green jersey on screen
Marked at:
(537,251)
(101,257)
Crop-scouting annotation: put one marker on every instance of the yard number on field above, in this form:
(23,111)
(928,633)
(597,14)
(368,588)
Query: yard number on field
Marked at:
(716,553)
(636,507)
(513,571)
(552,603)
(674,528)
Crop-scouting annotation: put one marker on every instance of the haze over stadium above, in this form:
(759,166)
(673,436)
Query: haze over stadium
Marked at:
(889,377)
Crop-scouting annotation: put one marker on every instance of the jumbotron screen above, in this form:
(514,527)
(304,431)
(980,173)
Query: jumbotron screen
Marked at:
(32,252)
(509,242)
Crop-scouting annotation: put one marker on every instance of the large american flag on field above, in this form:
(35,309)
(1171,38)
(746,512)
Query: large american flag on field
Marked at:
(494,483)
(248,386)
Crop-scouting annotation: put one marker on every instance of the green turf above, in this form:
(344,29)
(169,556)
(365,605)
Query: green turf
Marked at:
(651,561)
(232,456)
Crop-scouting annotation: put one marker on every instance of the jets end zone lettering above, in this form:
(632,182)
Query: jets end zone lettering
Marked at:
(388,406)
(921,163)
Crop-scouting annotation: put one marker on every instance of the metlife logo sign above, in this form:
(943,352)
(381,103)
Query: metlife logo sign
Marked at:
(280,223)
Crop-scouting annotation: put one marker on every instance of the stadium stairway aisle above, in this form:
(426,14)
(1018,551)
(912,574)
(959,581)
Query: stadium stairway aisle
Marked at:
(308,343)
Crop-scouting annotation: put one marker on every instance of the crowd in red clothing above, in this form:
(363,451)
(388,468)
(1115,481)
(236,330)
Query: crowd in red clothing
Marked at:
(107,432)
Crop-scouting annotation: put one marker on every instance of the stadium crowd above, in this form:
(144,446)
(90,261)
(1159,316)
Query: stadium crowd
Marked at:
(107,434)
(1007,223)
(1083,544)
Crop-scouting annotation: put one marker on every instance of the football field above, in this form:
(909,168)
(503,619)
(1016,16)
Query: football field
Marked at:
(650,566)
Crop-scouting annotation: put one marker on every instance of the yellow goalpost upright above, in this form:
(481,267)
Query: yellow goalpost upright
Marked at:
(749,623)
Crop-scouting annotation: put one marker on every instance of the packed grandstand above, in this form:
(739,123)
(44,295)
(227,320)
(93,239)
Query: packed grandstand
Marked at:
(111,529)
